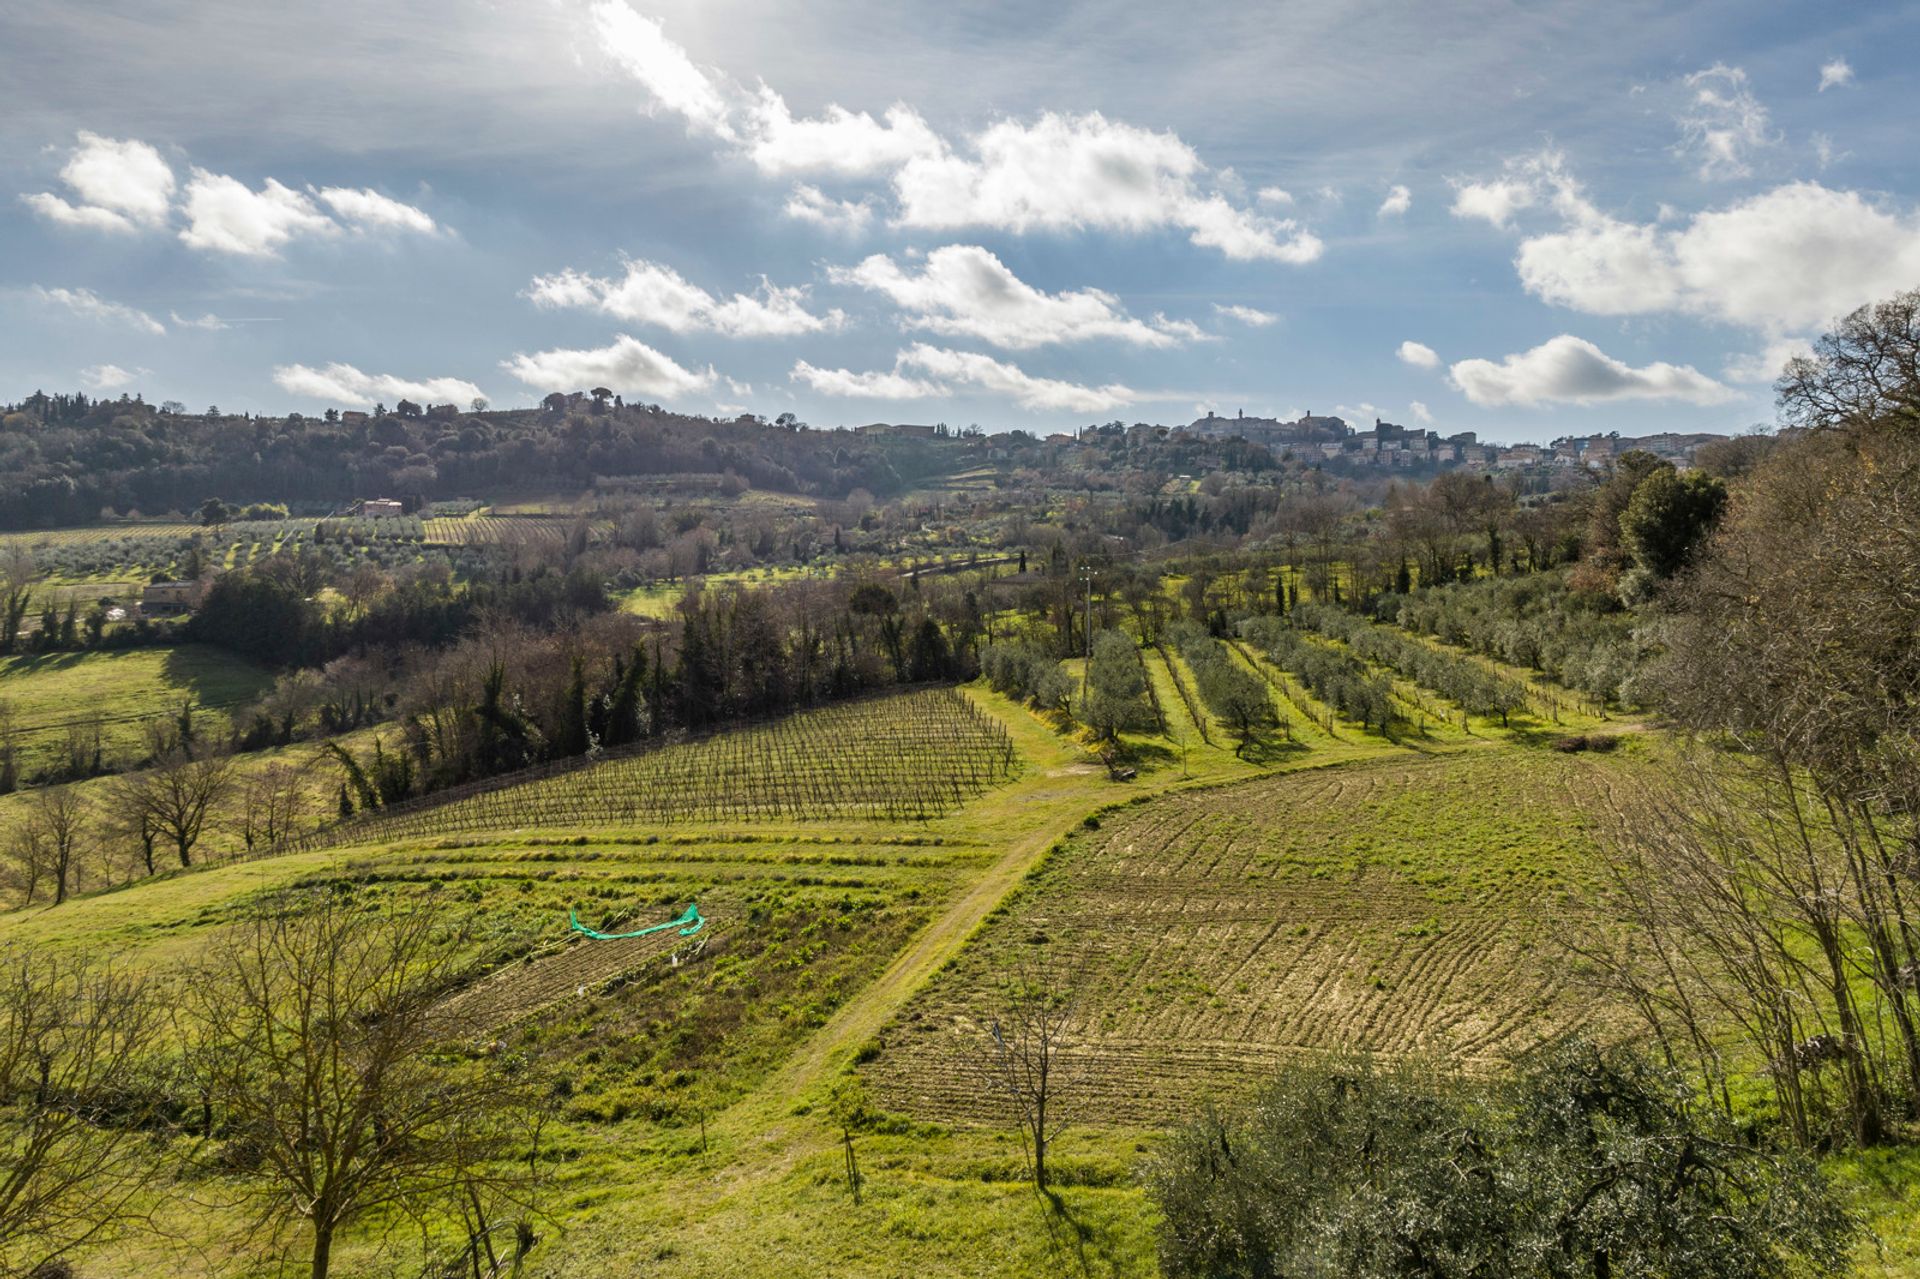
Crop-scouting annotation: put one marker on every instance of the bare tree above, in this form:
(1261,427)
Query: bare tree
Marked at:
(314,1043)
(175,799)
(271,800)
(1026,1065)
(74,1040)
(58,819)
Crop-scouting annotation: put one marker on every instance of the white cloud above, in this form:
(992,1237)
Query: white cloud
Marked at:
(650,293)
(1571,370)
(1724,122)
(1421,413)
(1786,260)
(1279,197)
(642,49)
(1789,259)
(106,377)
(208,321)
(1005,379)
(848,143)
(1253,317)
(945,369)
(224,216)
(1063,173)
(345,384)
(811,204)
(1055,173)
(873,385)
(1419,355)
(1766,364)
(1835,73)
(628,366)
(964,290)
(85,302)
(369,209)
(121,186)
(1399,200)
(1496,201)
(54,209)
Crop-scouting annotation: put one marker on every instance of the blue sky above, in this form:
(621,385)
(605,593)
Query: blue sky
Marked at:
(1523,219)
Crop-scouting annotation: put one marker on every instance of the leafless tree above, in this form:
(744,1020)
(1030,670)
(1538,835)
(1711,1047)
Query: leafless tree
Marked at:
(75,1040)
(1026,1064)
(176,798)
(1866,371)
(58,822)
(315,1046)
(1784,876)
(271,802)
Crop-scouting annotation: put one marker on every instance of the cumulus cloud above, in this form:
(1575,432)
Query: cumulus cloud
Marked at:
(963,290)
(87,303)
(628,366)
(345,384)
(810,204)
(1085,172)
(127,186)
(1786,260)
(370,210)
(1054,173)
(1791,258)
(225,216)
(650,293)
(1571,370)
(944,369)
(1421,413)
(1419,355)
(848,143)
(878,384)
(1399,200)
(1253,317)
(1834,73)
(1024,389)
(120,185)
(106,377)
(1495,201)
(208,321)
(1279,197)
(1724,122)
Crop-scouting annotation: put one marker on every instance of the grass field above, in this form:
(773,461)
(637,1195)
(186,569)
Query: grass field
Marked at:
(52,693)
(1388,894)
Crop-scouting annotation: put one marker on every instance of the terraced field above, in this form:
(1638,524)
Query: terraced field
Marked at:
(1390,906)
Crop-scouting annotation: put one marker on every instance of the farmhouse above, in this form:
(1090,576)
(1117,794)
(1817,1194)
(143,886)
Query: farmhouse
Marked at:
(382,508)
(162,598)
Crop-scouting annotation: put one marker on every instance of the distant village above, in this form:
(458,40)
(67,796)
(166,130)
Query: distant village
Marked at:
(1334,442)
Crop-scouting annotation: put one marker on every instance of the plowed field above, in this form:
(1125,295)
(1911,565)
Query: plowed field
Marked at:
(1385,907)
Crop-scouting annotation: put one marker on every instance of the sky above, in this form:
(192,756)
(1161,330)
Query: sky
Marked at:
(1526,220)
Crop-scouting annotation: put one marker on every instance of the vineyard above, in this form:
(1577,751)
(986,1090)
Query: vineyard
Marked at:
(915,756)
(500,530)
(1389,906)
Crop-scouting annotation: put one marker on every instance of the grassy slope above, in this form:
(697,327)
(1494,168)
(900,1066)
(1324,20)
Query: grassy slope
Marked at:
(49,691)
(851,924)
